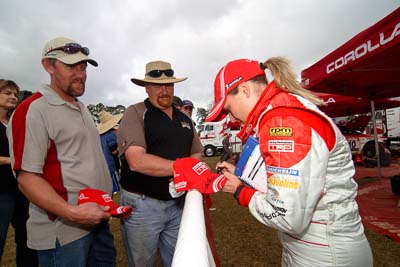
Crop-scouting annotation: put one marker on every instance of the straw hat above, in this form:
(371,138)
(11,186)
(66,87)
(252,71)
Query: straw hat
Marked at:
(107,121)
(159,66)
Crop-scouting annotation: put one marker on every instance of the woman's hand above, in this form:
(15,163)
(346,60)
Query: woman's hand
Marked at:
(232,183)
(223,167)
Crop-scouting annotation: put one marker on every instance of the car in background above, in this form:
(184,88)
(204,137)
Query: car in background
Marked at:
(363,147)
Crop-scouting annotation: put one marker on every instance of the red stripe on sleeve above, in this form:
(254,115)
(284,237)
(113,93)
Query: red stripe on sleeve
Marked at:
(52,174)
(52,171)
(18,125)
(52,166)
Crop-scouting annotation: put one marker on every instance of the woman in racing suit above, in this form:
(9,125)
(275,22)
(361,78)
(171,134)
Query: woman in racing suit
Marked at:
(310,196)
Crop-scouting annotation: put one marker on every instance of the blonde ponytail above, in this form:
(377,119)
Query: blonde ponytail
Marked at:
(285,78)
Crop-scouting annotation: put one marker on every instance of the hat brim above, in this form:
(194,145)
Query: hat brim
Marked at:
(76,58)
(143,82)
(121,211)
(108,125)
(217,113)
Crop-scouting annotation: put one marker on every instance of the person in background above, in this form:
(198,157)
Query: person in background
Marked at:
(177,102)
(226,148)
(187,107)
(56,152)
(24,94)
(109,144)
(13,204)
(305,187)
(152,134)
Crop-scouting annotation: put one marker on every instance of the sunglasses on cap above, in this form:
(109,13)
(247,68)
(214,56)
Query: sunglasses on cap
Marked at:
(158,73)
(71,48)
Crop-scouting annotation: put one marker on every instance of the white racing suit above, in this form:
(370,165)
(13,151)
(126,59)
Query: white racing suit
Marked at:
(310,197)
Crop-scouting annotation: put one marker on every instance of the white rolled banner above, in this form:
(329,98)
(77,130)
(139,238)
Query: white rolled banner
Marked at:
(192,248)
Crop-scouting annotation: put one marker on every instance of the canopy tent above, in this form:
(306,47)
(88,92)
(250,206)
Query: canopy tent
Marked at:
(340,105)
(367,66)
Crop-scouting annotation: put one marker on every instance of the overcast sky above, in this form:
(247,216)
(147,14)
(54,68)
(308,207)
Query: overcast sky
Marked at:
(197,36)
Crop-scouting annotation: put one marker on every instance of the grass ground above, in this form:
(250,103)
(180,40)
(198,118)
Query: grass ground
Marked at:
(240,239)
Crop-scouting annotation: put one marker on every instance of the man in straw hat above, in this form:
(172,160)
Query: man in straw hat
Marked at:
(55,152)
(152,134)
(109,144)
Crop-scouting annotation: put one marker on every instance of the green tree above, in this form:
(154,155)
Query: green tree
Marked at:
(201,114)
(96,109)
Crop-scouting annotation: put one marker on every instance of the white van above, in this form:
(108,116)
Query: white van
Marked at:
(212,134)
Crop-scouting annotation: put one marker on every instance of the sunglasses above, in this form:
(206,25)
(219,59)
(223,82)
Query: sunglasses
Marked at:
(158,73)
(71,48)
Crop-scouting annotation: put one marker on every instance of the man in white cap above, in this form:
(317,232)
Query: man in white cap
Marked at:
(151,136)
(56,152)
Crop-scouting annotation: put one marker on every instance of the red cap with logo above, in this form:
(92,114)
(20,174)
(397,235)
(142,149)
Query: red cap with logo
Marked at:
(227,79)
(191,173)
(102,198)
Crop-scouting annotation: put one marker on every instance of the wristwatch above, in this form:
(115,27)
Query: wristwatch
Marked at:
(238,190)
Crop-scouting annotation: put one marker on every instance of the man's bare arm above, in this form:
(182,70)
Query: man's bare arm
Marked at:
(196,155)
(139,160)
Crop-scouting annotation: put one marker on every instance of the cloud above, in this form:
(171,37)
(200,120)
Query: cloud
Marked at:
(197,37)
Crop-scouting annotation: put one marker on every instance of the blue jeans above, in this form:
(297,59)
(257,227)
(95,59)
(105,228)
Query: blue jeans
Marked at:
(94,249)
(153,224)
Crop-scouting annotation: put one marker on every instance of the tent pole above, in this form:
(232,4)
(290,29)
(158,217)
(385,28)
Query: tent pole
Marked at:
(378,157)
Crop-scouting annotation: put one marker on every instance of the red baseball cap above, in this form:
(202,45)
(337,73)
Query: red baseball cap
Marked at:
(191,173)
(227,79)
(102,198)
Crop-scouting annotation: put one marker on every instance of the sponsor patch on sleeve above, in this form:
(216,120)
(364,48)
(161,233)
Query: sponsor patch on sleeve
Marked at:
(281,131)
(281,146)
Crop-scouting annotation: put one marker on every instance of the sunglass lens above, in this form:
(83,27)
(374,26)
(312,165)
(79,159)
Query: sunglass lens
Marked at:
(155,73)
(85,51)
(169,73)
(158,73)
(71,48)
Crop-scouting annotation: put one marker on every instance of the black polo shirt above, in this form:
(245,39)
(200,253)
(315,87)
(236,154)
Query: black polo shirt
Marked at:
(164,137)
(8,183)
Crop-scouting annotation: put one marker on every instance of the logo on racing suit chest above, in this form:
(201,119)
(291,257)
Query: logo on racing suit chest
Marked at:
(280,145)
(281,131)
(281,170)
(283,183)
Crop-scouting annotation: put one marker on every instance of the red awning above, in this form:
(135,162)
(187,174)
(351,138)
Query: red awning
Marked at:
(339,105)
(367,66)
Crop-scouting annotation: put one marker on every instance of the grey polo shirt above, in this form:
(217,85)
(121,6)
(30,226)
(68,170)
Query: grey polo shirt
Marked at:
(60,141)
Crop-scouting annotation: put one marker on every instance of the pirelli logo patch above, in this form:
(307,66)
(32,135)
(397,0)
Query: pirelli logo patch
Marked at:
(281,131)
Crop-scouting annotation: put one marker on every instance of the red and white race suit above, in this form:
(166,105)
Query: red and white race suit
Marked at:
(311,194)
